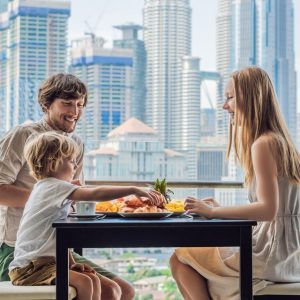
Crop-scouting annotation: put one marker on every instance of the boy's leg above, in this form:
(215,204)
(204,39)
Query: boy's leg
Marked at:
(83,285)
(6,257)
(110,282)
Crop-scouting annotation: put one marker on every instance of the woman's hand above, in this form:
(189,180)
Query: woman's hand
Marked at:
(201,207)
(211,201)
(82,268)
(150,196)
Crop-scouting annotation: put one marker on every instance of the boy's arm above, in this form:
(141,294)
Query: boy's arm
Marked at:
(105,193)
(102,193)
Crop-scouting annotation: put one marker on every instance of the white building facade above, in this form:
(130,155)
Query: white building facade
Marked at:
(134,151)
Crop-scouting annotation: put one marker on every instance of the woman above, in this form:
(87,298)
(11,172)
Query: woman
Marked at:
(263,146)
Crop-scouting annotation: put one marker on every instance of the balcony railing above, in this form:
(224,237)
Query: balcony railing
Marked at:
(173,184)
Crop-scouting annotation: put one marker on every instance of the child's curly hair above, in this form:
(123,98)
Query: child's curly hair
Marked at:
(45,151)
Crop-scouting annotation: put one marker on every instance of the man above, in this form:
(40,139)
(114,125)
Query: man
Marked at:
(62,98)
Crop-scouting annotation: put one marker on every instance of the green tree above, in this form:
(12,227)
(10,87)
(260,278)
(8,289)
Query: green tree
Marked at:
(147,297)
(130,269)
(171,290)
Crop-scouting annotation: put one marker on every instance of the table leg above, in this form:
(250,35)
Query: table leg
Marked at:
(62,266)
(246,263)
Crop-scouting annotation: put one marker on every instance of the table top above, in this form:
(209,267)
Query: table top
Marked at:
(163,222)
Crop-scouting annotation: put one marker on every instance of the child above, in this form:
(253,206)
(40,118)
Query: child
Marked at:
(51,159)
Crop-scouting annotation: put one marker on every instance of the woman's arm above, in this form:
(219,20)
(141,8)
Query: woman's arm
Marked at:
(266,190)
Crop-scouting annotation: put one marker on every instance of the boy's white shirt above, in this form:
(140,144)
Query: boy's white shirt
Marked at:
(15,171)
(36,237)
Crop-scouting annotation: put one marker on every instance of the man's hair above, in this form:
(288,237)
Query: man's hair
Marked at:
(45,151)
(63,86)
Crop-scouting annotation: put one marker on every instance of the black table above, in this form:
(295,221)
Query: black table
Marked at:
(168,232)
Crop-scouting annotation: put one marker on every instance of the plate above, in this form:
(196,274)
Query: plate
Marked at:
(108,213)
(86,217)
(177,213)
(158,215)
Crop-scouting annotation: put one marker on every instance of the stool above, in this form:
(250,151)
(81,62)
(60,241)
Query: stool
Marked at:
(279,291)
(42,292)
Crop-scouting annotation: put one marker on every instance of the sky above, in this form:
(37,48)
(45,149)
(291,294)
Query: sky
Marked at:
(101,15)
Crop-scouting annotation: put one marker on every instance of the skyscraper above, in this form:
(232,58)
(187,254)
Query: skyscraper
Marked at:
(33,37)
(188,126)
(225,58)
(130,41)
(258,32)
(276,53)
(167,36)
(108,75)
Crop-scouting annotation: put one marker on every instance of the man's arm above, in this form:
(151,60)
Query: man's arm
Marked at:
(11,162)
(13,196)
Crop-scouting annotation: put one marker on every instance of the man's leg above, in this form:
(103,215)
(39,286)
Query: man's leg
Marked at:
(6,257)
(111,284)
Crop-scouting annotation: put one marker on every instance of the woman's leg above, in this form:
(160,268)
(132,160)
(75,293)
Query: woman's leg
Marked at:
(83,285)
(191,284)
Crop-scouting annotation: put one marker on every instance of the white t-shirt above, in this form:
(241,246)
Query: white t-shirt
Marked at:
(36,237)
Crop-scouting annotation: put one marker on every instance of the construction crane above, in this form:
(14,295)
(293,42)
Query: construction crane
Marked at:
(92,30)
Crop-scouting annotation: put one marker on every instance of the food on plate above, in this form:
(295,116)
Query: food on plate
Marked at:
(175,206)
(133,204)
(108,206)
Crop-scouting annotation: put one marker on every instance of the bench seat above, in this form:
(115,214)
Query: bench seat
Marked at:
(278,291)
(46,292)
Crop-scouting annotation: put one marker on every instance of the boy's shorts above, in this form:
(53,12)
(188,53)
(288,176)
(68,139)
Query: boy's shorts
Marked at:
(40,271)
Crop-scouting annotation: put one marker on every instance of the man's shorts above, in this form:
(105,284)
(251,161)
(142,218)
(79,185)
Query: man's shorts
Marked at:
(6,257)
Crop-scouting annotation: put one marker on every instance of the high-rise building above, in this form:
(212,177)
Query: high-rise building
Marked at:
(208,122)
(276,53)
(212,165)
(225,58)
(258,32)
(188,127)
(33,45)
(130,40)
(107,73)
(167,36)
(3,5)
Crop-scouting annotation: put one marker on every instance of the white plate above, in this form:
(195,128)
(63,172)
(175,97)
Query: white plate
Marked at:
(146,215)
(89,217)
(109,213)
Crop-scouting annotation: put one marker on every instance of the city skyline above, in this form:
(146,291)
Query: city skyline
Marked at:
(107,13)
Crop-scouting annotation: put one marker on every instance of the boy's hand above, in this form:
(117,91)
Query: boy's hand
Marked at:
(82,268)
(151,197)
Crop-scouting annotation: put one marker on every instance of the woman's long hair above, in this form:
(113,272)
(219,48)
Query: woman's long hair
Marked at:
(257,113)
